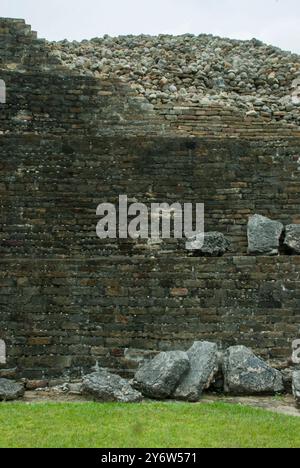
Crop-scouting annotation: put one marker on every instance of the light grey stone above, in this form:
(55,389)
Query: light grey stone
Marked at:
(103,386)
(296,386)
(203,358)
(263,235)
(159,377)
(211,244)
(246,374)
(10,390)
(292,238)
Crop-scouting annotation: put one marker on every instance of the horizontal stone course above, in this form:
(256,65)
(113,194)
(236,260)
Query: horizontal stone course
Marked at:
(60,325)
(51,186)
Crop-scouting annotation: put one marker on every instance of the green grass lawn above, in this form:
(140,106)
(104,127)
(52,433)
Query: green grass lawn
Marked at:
(153,425)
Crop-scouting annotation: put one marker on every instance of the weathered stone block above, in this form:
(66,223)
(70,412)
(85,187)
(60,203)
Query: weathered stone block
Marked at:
(10,390)
(296,387)
(292,238)
(246,374)
(159,377)
(203,357)
(263,235)
(211,244)
(103,386)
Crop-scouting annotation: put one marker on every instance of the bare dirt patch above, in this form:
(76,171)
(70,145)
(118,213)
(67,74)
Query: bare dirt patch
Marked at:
(281,404)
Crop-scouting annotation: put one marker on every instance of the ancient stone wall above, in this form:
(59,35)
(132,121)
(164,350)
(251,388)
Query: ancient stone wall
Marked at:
(60,317)
(15,39)
(70,140)
(51,186)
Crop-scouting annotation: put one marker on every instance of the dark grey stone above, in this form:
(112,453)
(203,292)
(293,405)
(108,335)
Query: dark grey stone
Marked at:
(103,386)
(246,374)
(292,238)
(159,377)
(10,390)
(211,244)
(287,376)
(296,387)
(263,235)
(203,358)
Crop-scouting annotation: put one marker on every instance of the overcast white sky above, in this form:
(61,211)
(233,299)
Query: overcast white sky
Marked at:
(273,21)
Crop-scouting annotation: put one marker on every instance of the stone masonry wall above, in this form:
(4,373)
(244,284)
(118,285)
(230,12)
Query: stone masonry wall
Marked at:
(51,186)
(71,140)
(60,317)
(15,39)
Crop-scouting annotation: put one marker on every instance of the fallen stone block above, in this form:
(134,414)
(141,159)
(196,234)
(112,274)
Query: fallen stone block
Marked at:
(246,374)
(210,244)
(203,357)
(10,390)
(263,235)
(159,377)
(296,387)
(103,386)
(292,238)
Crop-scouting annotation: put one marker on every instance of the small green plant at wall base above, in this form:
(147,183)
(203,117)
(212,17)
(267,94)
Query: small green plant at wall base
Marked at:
(153,425)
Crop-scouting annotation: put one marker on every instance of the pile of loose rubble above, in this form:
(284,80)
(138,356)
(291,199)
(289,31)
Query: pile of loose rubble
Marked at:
(255,78)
